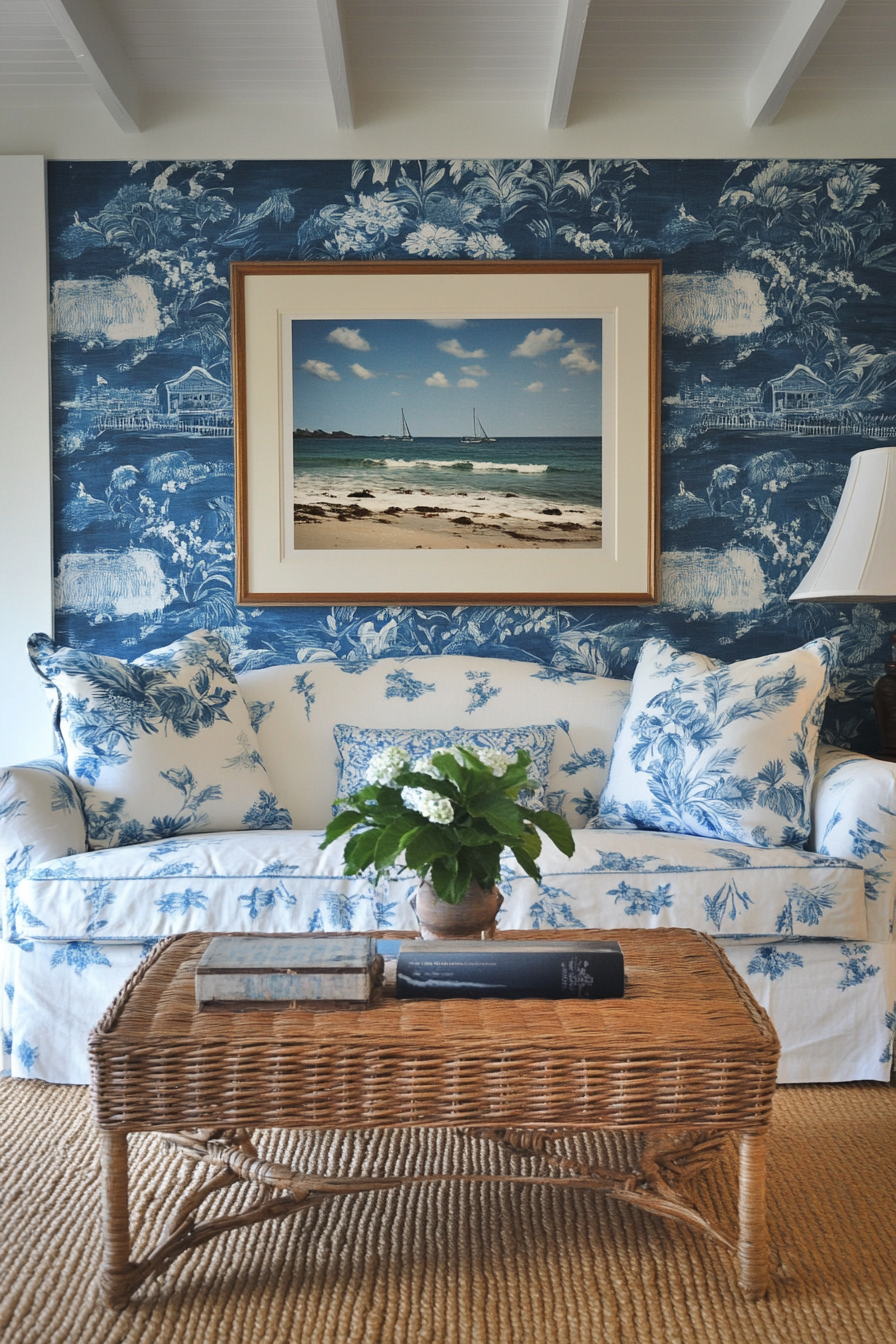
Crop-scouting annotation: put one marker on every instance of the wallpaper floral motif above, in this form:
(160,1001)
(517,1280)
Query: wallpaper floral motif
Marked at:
(779,363)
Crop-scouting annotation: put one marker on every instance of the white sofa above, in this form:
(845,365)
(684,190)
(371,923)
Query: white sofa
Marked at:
(810,930)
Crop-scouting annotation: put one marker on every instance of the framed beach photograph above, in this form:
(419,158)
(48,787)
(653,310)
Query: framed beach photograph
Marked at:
(446,432)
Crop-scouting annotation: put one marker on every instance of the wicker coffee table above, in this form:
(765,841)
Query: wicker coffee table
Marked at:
(687,1056)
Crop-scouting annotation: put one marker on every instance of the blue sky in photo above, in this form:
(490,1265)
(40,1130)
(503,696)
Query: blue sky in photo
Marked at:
(524,376)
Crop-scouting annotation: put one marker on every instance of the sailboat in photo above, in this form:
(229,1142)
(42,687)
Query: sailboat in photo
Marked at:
(404,437)
(479,435)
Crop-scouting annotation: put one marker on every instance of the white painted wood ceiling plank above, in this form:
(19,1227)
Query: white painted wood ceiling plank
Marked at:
(789,52)
(565,61)
(331,28)
(95,46)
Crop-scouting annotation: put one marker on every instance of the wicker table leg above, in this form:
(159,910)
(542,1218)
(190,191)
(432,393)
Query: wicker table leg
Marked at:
(116,1268)
(752,1250)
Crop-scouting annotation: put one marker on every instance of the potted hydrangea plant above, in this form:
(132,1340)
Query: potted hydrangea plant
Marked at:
(450,815)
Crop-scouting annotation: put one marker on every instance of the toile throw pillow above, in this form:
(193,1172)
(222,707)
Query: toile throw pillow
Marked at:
(720,750)
(357,746)
(158,747)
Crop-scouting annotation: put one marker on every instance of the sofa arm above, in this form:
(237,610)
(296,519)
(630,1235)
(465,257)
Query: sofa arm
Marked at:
(41,818)
(854,817)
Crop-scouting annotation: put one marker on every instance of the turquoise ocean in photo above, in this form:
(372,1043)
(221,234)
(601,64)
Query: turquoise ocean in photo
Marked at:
(561,471)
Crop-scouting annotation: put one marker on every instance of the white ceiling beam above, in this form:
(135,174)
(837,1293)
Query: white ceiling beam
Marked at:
(96,48)
(565,62)
(790,51)
(331,30)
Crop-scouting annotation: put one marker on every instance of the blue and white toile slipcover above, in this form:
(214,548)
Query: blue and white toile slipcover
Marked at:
(811,932)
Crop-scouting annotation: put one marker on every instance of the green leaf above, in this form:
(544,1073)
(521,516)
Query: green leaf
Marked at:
(526,862)
(429,843)
(360,850)
(393,840)
(531,841)
(466,835)
(444,878)
(499,811)
(486,864)
(555,827)
(450,766)
(345,821)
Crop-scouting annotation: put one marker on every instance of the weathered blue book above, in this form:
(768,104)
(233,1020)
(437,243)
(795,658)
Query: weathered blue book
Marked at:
(237,972)
(507,969)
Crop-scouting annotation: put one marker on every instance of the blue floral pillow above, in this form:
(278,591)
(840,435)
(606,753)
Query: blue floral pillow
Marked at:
(725,751)
(158,747)
(357,746)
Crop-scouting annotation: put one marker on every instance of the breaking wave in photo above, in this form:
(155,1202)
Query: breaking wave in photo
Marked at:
(535,471)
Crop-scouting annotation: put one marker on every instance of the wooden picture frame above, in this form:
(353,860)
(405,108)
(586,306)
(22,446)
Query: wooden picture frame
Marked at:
(281,309)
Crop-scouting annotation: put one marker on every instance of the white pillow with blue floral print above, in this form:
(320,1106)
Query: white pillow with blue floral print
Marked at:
(158,747)
(721,750)
(357,747)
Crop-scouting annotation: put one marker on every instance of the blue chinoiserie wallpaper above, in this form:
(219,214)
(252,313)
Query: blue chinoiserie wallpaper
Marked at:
(779,363)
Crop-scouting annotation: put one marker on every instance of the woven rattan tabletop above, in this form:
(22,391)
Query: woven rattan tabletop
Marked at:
(687,1044)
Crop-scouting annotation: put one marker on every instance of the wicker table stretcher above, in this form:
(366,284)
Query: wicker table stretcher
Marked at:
(687,1056)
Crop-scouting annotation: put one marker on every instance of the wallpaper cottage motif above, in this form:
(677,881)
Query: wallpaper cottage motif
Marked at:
(779,363)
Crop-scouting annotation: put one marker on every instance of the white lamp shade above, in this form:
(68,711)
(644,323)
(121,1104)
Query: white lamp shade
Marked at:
(857,562)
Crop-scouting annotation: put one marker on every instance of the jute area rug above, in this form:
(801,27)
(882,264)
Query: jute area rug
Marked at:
(459,1264)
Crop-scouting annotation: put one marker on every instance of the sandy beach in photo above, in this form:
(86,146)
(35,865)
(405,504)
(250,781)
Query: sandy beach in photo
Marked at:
(374,526)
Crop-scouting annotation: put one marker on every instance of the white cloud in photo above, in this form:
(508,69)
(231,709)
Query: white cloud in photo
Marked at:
(321,369)
(467,382)
(437,380)
(535,387)
(454,347)
(446,323)
(360,372)
(474,370)
(578,360)
(350,337)
(540,342)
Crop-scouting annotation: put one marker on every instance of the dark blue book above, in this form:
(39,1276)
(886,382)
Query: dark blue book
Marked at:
(507,969)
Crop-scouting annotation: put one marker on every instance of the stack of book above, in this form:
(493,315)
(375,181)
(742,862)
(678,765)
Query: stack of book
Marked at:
(270,973)
(526,969)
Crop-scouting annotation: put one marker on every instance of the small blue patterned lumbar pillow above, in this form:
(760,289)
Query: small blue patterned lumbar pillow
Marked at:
(726,751)
(158,747)
(358,745)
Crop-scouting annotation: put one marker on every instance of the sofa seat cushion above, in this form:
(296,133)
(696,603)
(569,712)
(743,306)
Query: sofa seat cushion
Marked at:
(281,881)
(638,879)
(233,882)
(295,710)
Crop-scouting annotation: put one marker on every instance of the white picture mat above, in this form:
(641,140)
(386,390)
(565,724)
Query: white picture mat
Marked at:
(621,565)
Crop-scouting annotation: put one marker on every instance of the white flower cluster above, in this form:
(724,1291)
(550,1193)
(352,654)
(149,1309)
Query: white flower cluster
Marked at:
(497,761)
(429,805)
(424,766)
(385,765)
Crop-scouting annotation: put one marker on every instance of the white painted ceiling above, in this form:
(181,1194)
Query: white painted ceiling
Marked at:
(337,53)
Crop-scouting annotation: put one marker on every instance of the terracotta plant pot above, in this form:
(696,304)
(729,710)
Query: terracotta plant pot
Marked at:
(473,917)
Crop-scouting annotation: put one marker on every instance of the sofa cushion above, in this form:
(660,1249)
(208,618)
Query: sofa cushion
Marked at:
(281,881)
(158,747)
(297,707)
(357,746)
(720,750)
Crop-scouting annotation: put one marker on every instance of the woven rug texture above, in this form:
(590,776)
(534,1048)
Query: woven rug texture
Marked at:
(450,1263)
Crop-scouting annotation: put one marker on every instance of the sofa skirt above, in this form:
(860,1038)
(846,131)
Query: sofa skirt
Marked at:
(833,1003)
